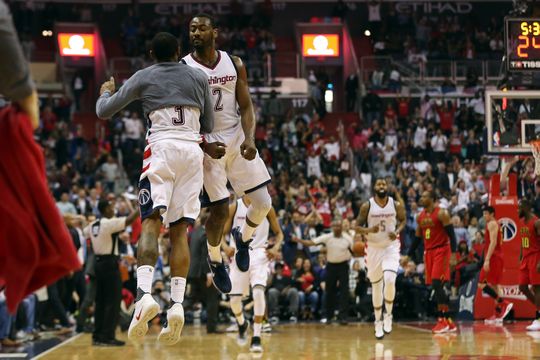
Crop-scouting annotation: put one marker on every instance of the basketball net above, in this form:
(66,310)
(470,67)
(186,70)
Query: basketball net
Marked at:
(535,146)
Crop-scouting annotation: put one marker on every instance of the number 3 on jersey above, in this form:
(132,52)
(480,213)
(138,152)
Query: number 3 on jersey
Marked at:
(180,119)
(218,106)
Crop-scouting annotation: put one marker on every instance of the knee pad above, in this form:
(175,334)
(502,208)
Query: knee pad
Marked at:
(261,203)
(259,300)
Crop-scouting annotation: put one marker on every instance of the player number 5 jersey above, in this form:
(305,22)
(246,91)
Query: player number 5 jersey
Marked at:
(385,217)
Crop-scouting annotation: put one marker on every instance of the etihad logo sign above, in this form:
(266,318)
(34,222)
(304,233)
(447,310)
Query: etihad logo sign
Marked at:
(76,44)
(222,80)
(320,45)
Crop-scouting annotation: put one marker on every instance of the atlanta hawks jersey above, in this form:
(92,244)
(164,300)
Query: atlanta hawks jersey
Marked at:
(260,237)
(222,79)
(385,217)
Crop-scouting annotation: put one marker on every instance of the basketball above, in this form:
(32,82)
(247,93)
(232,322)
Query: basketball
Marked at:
(359,249)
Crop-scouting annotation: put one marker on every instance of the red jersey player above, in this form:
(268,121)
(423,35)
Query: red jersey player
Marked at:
(491,274)
(437,231)
(529,271)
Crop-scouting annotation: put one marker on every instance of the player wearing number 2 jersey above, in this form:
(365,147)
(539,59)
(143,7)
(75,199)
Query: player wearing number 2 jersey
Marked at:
(385,219)
(435,228)
(234,129)
(176,102)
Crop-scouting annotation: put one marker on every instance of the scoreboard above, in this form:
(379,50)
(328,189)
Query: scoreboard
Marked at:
(522,42)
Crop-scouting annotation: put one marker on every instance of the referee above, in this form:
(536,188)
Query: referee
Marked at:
(338,253)
(104,235)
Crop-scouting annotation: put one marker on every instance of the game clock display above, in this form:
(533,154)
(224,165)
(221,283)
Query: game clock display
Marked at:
(522,44)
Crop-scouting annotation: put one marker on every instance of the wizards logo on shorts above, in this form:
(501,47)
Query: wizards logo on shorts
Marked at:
(144,197)
(508,228)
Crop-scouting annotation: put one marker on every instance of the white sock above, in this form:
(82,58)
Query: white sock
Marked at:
(247,232)
(145,275)
(178,287)
(257,329)
(215,253)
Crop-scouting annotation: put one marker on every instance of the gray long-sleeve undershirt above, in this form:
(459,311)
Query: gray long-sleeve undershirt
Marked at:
(15,80)
(159,86)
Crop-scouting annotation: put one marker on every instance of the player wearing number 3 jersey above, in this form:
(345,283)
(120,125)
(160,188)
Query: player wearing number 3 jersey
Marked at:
(234,128)
(176,102)
(385,219)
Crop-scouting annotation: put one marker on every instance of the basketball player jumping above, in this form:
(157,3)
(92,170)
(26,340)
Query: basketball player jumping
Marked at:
(437,231)
(491,274)
(234,126)
(385,219)
(257,274)
(176,101)
(529,271)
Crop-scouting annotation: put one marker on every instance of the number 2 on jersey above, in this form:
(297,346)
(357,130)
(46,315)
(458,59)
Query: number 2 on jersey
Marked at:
(218,106)
(180,119)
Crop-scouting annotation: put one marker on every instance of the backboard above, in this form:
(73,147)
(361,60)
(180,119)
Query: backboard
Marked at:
(512,121)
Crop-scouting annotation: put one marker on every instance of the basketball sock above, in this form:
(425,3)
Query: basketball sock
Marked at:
(377,298)
(178,287)
(443,311)
(489,291)
(145,275)
(214,252)
(257,327)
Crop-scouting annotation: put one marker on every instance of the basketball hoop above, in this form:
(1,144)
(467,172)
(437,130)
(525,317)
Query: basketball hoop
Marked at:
(535,147)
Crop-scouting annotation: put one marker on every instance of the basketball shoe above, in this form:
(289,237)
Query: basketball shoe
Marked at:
(171,332)
(379,331)
(387,323)
(440,327)
(242,250)
(146,308)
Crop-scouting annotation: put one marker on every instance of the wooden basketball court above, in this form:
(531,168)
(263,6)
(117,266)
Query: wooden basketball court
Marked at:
(317,341)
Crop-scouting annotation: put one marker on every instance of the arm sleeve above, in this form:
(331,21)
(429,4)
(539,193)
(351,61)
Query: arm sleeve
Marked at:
(15,81)
(207,116)
(114,225)
(450,231)
(108,105)
(323,239)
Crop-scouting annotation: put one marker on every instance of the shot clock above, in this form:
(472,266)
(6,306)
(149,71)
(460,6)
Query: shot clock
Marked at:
(522,37)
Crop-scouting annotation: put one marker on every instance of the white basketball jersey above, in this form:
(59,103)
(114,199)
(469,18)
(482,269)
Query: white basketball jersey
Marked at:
(386,218)
(222,80)
(260,237)
(175,123)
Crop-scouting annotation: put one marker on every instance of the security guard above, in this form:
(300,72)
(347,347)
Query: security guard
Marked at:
(104,235)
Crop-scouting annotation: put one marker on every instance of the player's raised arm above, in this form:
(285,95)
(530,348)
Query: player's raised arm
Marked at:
(444,217)
(109,103)
(362,221)
(247,149)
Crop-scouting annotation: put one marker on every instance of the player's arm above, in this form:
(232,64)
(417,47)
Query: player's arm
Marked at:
(276,229)
(227,229)
(247,115)
(444,218)
(493,229)
(361,220)
(109,102)
(401,217)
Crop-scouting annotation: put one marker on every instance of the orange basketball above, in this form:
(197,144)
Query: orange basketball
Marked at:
(359,248)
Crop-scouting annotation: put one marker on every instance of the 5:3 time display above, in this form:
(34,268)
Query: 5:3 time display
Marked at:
(522,40)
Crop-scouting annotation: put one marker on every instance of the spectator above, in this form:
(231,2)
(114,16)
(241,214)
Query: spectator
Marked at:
(280,288)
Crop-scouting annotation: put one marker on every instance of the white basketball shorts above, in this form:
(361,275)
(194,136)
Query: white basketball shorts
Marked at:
(171,181)
(383,259)
(257,273)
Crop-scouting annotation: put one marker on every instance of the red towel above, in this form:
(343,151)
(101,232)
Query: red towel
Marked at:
(35,246)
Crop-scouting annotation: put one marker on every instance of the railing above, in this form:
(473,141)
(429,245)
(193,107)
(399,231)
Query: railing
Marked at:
(432,72)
